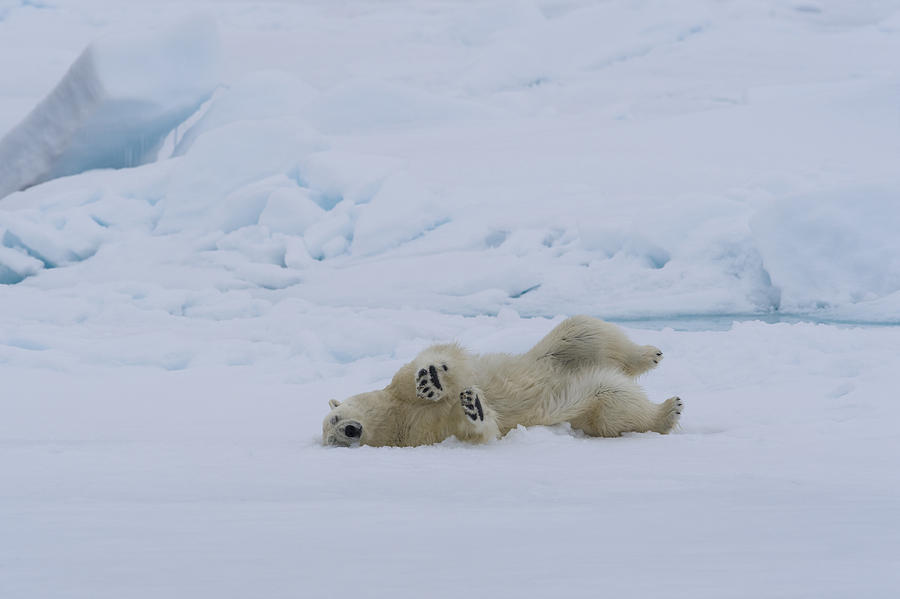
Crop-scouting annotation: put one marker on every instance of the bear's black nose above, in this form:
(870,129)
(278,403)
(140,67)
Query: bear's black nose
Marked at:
(352,431)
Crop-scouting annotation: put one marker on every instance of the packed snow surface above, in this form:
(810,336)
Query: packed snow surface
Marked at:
(372,177)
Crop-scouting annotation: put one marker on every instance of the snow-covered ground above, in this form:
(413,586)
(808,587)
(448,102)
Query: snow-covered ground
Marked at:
(370,177)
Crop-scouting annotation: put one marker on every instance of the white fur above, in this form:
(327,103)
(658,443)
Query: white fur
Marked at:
(582,372)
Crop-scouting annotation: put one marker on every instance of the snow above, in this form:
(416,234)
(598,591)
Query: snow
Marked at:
(332,186)
(210,481)
(828,245)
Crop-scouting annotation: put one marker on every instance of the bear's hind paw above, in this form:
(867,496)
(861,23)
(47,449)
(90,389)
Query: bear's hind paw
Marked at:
(669,414)
(642,359)
(651,356)
(428,382)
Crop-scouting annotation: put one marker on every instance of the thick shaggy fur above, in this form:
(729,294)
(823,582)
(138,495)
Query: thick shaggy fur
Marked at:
(582,372)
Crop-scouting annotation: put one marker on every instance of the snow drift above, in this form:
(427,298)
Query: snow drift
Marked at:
(115,105)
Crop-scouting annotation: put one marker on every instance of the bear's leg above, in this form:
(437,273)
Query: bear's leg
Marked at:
(479,420)
(441,371)
(583,342)
(621,406)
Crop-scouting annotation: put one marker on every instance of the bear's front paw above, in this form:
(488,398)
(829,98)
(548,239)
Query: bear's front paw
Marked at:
(471,403)
(428,382)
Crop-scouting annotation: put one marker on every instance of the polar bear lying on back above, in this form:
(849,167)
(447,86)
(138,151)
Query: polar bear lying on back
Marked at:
(582,372)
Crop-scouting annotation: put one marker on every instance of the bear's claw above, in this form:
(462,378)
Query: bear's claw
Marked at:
(428,383)
(471,404)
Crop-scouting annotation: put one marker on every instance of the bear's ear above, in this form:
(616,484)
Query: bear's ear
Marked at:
(333,403)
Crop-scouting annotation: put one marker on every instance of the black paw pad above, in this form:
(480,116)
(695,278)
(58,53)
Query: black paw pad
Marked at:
(428,383)
(471,404)
(434,377)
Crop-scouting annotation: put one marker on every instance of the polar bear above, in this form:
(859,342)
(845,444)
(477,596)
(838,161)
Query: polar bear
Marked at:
(583,372)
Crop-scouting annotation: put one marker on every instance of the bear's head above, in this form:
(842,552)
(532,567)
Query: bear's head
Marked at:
(345,424)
